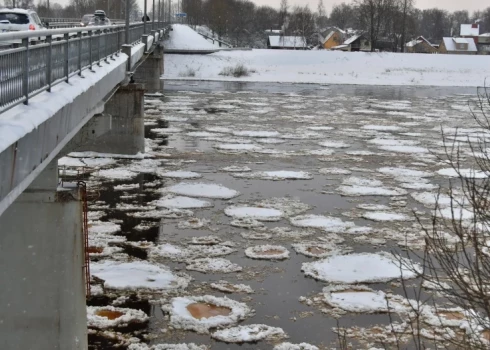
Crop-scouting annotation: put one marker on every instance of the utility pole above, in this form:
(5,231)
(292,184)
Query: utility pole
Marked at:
(169,11)
(159,11)
(127,24)
(144,16)
(49,12)
(153,19)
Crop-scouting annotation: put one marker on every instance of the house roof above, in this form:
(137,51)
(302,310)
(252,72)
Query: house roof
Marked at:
(413,43)
(287,41)
(351,39)
(340,47)
(470,30)
(450,44)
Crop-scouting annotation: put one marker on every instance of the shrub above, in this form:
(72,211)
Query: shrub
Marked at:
(238,71)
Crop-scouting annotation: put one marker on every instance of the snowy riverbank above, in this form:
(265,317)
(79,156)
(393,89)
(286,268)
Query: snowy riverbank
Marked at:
(331,67)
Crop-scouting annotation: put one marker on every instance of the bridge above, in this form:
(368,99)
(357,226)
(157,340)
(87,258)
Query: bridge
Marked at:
(61,90)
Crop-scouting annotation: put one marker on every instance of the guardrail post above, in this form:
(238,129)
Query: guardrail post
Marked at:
(49,40)
(144,39)
(79,36)
(127,50)
(66,37)
(25,74)
(98,47)
(90,58)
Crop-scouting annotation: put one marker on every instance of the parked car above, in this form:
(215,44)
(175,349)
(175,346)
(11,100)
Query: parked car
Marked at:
(86,20)
(100,19)
(18,19)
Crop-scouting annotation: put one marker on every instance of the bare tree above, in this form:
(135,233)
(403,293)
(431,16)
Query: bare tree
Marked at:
(342,15)
(374,15)
(321,17)
(302,23)
(283,15)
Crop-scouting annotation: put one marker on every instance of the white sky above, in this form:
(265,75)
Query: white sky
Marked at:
(451,5)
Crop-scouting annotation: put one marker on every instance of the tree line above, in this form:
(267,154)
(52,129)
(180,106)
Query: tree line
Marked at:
(388,24)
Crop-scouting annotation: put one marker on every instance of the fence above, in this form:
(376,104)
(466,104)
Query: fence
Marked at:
(40,59)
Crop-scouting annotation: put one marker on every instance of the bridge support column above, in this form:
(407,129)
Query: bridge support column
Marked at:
(151,70)
(41,260)
(120,129)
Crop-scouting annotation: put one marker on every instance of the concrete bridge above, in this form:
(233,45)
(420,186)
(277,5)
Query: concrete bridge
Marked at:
(61,90)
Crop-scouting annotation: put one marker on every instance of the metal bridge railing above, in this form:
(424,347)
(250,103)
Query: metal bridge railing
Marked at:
(40,59)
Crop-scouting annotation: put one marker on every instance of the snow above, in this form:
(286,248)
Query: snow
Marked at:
(236,169)
(334,144)
(316,250)
(248,333)
(355,191)
(385,216)
(357,268)
(264,252)
(260,214)
(137,275)
(214,265)
(129,316)
(181,202)
(287,41)
(468,30)
(290,346)
(190,346)
(237,147)
(103,227)
(334,171)
(326,223)
(197,189)
(184,38)
(180,174)
(335,67)
(404,172)
(181,318)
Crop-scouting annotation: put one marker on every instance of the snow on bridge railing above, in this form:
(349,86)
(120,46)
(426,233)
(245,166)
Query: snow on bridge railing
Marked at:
(37,60)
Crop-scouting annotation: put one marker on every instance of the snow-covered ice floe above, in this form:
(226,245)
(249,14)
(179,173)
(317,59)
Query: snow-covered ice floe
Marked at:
(334,171)
(190,346)
(267,252)
(466,173)
(317,250)
(102,317)
(205,190)
(249,333)
(237,147)
(214,265)
(181,202)
(360,268)
(236,169)
(386,216)
(179,253)
(291,346)
(260,214)
(201,313)
(138,275)
(289,206)
(276,175)
(325,223)
(227,287)
(116,174)
(180,174)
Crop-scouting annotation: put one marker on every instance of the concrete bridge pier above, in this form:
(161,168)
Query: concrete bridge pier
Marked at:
(120,129)
(151,70)
(41,257)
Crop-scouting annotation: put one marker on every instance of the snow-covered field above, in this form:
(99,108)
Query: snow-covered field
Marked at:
(220,246)
(322,67)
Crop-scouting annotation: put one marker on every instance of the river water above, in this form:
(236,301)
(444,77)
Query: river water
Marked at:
(338,135)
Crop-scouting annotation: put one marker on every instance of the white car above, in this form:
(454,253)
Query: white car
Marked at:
(12,20)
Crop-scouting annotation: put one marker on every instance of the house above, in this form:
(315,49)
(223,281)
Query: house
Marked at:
(483,44)
(354,43)
(274,32)
(332,37)
(460,46)
(469,30)
(287,42)
(420,45)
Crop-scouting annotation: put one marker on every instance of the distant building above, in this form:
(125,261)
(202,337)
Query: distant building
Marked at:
(287,42)
(354,43)
(469,30)
(483,44)
(332,37)
(460,46)
(420,45)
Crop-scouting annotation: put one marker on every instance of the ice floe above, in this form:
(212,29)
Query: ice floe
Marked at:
(385,216)
(358,268)
(214,265)
(237,147)
(261,134)
(249,333)
(467,173)
(289,206)
(334,171)
(180,174)
(276,175)
(325,223)
(256,235)
(117,174)
(236,169)
(181,202)
(179,253)
(257,213)
(267,252)
(137,275)
(114,317)
(317,250)
(334,144)
(227,287)
(206,190)
(290,346)
(190,346)
(104,227)
(201,313)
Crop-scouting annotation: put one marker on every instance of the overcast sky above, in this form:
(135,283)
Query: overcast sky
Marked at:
(451,5)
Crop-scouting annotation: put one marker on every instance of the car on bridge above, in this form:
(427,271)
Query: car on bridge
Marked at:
(86,20)
(99,19)
(19,19)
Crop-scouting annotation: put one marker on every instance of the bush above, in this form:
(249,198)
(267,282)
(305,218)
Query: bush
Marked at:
(238,71)
(189,72)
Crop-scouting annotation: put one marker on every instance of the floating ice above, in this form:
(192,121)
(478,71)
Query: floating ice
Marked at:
(326,223)
(198,189)
(162,214)
(249,333)
(289,206)
(126,187)
(246,223)
(276,175)
(320,128)
(316,250)
(260,214)
(166,131)
(429,199)
(180,174)
(382,127)
(267,252)
(385,216)
(179,253)
(95,227)
(137,275)
(214,265)
(117,174)
(180,202)
(236,169)
(114,317)
(359,181)
(261,134)
(405,149)
(205,240)
(256,235)
(193,223)
(404,172)
(237,147)
(354,191)
(334,171)
(358,298)
(334,144)
(190,346)
(290,346)
(359,268)
(373,207)
(227,287)
(467,173)
(202,313)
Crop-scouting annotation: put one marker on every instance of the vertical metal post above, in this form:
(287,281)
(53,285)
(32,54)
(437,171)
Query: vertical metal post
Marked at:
(67,57)
(25,74)
(90,58)
(145,11)
(79,36)
(49,40)
(126,41)
(169,11)
(99,35)
(153,19)
(159,12)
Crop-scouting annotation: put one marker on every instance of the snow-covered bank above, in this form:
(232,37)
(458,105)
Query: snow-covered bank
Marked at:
(332,67)
(183,37)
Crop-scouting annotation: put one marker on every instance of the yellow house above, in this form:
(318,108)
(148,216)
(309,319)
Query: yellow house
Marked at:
(333,38)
